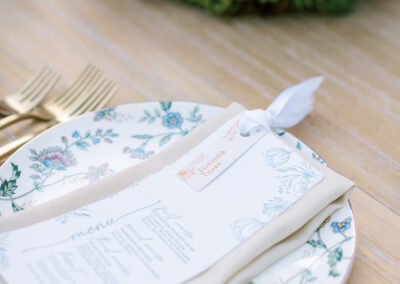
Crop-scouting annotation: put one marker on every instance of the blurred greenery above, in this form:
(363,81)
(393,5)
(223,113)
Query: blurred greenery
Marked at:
(233,7)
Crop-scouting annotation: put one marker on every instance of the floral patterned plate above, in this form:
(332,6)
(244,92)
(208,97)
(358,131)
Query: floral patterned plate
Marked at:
(99,144)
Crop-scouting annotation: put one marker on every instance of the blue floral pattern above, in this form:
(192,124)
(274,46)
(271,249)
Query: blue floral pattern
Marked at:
(50,160)
(295,179)
(106,113)
(138,153)
(341,226)
(298,179)
(54,157)
(329,247)
(276,157)
(319,159)
(111,114)
(95,173)
(172,121)
(334,252)
(244,228)
(275,206)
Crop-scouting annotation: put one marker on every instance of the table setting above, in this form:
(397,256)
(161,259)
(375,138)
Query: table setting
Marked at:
(199,142)
(98,145)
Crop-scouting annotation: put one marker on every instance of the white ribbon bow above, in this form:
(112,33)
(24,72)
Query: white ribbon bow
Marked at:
(288,109)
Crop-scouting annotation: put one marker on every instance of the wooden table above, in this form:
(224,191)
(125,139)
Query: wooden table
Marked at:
(158,50)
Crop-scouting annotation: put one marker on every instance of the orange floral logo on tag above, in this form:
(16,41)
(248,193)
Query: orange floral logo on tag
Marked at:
(189,170)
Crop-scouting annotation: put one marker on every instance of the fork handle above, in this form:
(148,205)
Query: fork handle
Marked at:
(11,147)
(14,118)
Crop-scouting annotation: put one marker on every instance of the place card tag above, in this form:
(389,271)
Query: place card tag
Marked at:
(213,156)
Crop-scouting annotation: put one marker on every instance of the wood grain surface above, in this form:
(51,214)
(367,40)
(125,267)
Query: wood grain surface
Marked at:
(159,50)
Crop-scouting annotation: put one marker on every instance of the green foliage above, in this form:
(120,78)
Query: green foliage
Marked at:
(307,276)
(148,117)
(8,187)
(194,115)
(82,145)
(142,136)
(334,257)
(166,105)
(317,243)
(274,6)
(165,139)
(16,207)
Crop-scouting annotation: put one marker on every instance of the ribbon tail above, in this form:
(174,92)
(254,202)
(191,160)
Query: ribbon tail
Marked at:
(288,109)
(293,104)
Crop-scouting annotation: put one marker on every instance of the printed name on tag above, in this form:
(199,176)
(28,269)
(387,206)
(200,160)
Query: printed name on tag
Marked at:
(213,156)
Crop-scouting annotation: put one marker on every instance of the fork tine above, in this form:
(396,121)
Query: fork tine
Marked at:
(45,88)
(88,98)
(35,85)
(106,98)
(71,89)
(38,85)
(32,80)
(84,88)
(102,94)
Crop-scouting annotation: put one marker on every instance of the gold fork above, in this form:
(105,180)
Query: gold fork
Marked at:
(84,82)
(29,96)
(91,91)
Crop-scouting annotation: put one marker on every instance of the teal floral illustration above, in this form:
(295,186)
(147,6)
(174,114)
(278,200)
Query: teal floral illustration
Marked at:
(55,158)
(279,132)
(79,213)
(298,179)
(93,174)
(318,159)
(244,228)
(172,121)
(8,187)
(307,276)
(275,206)
(341,226)
(96,173)
(293,181)
(276,157)
(138,153)
(106,113)
(299,145)
(332,252)
(50,160)
(111,114)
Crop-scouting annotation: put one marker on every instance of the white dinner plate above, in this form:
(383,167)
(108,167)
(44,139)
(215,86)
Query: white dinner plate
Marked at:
(99,144)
